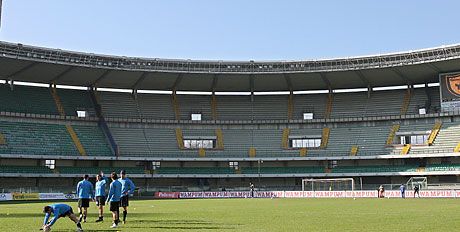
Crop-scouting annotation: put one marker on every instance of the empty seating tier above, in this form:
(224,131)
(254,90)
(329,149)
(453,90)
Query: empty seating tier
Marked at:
(26,99)
(29,138)
(26,169)
(96,170)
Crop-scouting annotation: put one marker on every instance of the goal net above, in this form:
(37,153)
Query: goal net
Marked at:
(337,184)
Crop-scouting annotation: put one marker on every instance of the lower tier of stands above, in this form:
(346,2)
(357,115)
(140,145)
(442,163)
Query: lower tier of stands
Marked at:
(368,138)
(47,137)
(31,138)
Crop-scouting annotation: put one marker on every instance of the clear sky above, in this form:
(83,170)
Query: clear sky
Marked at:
(233,29)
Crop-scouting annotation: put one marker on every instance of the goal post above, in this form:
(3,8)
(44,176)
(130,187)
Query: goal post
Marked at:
(334,184)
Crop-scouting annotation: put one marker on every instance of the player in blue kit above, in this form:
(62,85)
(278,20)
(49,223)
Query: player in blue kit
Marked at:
(100,195)
(126,189)
(58,211)
(402,188)
(85,192)
(114,199)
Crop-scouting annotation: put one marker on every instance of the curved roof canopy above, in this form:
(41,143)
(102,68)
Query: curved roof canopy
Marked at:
(44,65)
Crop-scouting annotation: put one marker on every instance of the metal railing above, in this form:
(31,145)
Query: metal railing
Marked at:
(40,54)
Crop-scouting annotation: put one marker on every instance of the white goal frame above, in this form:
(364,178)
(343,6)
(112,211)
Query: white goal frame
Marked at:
(330,180)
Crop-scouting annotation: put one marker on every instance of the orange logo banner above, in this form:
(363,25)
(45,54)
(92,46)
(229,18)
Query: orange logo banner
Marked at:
(453,84)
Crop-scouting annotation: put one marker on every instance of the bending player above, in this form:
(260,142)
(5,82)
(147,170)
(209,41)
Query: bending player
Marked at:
(58,211)
(114,199)
(127,188)
(100,195)
(85,192)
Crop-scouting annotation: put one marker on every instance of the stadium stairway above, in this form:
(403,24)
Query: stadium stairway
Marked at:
(448,137)
(457,148)
(70,130)
(434,133)
(175,104)
(2,140)
(406,101)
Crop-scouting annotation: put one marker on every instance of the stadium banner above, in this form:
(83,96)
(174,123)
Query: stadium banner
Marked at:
(56,196)
(166,195)
(25,196)
(6,197)
(449,84)
(320,194)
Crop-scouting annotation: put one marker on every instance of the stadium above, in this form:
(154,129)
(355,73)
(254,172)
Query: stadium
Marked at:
(196,128)
(362,143)
(289,120)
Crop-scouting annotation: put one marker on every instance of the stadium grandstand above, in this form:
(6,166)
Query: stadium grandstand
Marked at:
(189,125)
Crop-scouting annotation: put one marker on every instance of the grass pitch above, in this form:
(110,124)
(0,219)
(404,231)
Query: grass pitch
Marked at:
(256,215)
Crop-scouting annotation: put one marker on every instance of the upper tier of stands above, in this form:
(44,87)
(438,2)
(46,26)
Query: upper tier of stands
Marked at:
(37,100)
(266,107)
(26,99)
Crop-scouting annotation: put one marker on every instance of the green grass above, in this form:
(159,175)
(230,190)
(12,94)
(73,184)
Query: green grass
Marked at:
(258,215)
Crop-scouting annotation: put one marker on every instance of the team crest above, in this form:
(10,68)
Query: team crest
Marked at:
(453,84)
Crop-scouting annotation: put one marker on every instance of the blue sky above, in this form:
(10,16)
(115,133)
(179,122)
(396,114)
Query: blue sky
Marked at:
(232,30)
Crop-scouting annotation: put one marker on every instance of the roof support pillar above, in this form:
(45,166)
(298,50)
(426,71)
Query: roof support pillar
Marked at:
(363,77)
(369,91)
(134,93)
(434,67)
(288,82)
(100,78)
(52,85)
(177,82)
(138,82)
(57,77)
(251,86)
(402,76)
(327,82)
(214,84)
(22,70)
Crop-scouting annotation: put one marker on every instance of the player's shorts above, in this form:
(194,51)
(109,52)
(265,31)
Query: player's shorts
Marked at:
(114,206)
(83,203)
(67,213)
(100,200)
(124,201)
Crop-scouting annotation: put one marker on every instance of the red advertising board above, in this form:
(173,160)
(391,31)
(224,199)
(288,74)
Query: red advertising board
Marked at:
(167,195)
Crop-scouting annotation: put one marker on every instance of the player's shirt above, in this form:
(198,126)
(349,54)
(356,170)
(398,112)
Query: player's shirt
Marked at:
(100,188)
(57,210)
(127,186)
(402,188)
(85,189)
(114,191)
